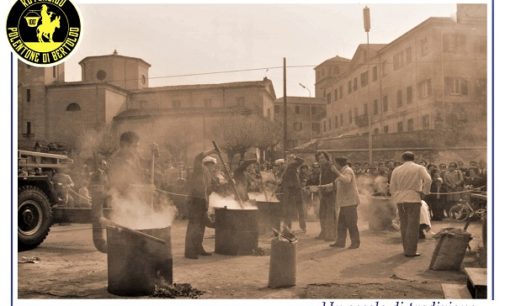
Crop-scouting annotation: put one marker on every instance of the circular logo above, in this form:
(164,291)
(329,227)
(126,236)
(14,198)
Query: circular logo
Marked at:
(43,32)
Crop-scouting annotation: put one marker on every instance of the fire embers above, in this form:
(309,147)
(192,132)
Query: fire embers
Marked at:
(177,290)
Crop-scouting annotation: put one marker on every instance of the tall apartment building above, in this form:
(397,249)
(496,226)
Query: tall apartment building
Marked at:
(433,77)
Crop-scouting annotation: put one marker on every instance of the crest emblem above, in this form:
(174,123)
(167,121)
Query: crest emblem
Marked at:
(43,33)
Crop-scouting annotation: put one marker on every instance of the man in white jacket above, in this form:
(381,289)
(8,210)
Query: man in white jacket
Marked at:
(409,182)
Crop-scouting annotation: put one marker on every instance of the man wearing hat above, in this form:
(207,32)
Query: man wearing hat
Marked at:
(409,182)
(203,181)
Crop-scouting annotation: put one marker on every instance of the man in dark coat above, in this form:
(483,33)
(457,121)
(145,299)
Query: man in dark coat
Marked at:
(292,194)
(327,195)
(126,166)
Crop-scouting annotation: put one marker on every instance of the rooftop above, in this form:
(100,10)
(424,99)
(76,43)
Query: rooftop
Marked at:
(114,54)
(302,100)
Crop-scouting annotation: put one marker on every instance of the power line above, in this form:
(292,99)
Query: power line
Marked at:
(230,71)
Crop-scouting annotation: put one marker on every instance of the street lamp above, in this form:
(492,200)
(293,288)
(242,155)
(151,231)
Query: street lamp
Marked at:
(305,87)
(367,26)
(310,108)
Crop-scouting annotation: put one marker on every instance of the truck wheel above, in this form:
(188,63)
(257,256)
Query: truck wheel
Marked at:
(34,217)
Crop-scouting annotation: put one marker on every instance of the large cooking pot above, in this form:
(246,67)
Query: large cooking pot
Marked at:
(137,260)
(236,231)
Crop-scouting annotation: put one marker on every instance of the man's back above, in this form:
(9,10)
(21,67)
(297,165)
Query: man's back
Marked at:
(407,181)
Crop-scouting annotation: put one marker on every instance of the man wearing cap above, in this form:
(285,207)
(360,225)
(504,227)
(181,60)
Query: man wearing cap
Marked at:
(202,183)
(409,182)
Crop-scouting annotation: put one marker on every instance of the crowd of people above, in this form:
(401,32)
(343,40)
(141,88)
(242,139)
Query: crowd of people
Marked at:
(333,185)
(409,183)
(446,189)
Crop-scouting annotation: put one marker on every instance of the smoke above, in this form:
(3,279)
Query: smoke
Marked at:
(268,187)
(267,196)
(140,209)
(218,201)
(372,207)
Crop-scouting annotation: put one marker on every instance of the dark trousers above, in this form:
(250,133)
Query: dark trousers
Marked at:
(348,221)
(197,218)
(409,214)
(436,206)
(327,217)
(292,205)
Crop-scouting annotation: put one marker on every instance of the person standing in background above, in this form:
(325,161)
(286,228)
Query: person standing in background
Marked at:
(453,180)
(327,217)
(435,199)
(292,194)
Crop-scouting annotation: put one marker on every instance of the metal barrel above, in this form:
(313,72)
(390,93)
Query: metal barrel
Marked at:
(236,231)
(138,260)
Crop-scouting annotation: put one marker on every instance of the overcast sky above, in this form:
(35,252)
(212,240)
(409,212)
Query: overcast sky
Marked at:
(179,39)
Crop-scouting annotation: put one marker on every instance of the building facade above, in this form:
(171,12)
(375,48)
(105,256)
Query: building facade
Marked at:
(303,118)
(114,93)
(433,77)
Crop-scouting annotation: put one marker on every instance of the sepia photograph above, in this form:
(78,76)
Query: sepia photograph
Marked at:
(284,151)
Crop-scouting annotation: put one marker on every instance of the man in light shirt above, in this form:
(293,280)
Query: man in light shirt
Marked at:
(408,183)
(347,202)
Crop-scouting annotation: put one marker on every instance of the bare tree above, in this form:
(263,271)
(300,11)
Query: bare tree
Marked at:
(177,143)
(239,134)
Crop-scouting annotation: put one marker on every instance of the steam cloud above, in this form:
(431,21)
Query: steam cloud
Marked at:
(218,201)
(136,211)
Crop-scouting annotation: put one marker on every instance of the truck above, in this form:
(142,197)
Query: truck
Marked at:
(39,206)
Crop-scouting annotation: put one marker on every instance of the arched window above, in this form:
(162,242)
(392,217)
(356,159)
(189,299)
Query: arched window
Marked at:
(73,107)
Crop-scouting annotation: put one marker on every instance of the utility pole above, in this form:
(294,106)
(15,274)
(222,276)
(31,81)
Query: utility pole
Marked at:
(366,24)
(285,142)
